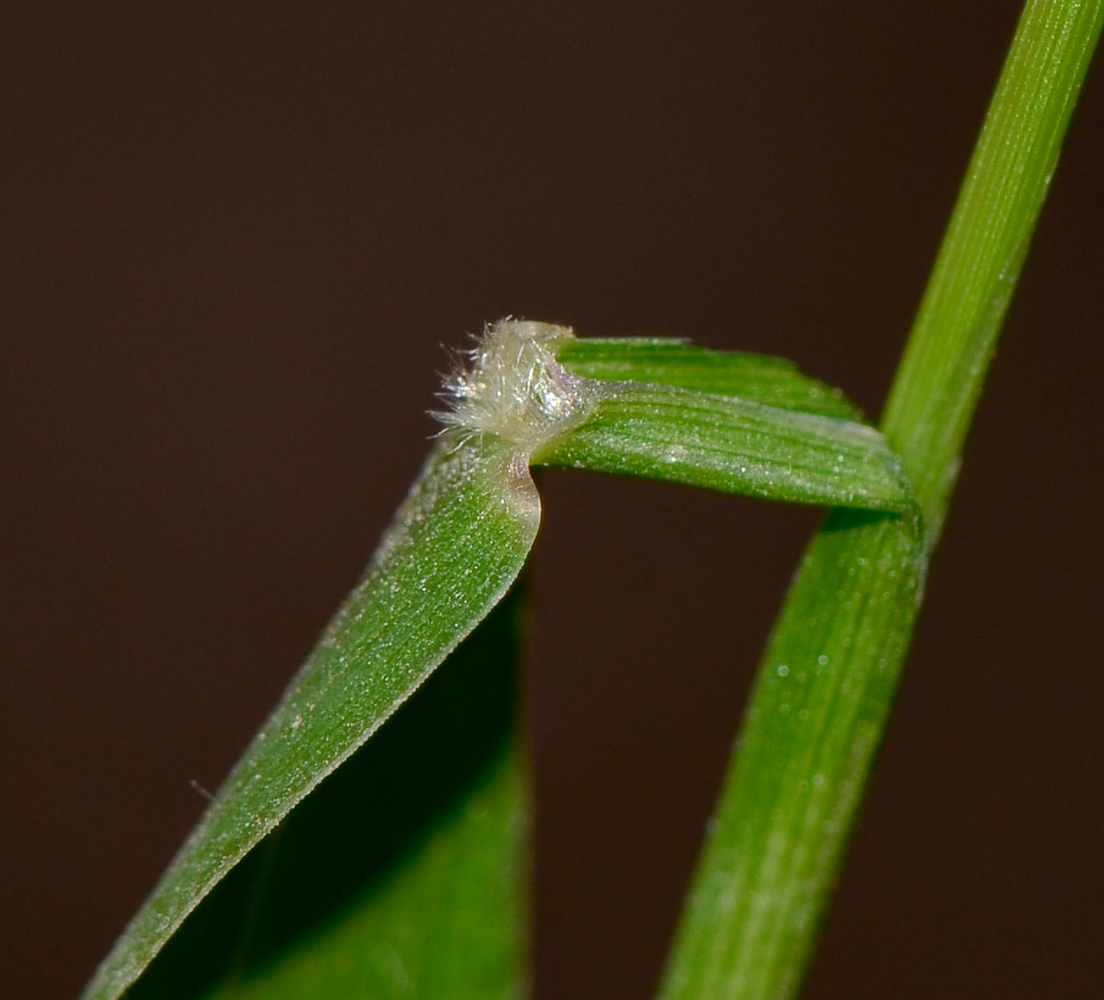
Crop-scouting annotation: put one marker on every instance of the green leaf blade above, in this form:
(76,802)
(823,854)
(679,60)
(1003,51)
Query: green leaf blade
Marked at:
(727,444)
(754,378)
(457,544)
(404,874)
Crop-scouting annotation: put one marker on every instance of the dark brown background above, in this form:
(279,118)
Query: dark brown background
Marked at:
(233,240)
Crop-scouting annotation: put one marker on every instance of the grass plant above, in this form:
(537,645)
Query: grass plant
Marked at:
(405,873)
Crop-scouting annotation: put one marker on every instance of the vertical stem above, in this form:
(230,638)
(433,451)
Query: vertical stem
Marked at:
(826,683)
(952,340)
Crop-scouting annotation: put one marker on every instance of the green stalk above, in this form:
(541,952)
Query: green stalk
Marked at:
(826,683)
(955,333)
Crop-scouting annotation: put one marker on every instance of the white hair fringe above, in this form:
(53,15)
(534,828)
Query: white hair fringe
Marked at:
(510,384)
